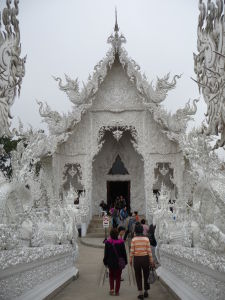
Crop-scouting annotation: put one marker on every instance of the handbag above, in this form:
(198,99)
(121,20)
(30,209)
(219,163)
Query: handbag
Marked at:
(121,260)
(152,276)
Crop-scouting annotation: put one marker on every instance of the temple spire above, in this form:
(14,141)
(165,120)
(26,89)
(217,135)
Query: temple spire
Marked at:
(116,28)
(115,40)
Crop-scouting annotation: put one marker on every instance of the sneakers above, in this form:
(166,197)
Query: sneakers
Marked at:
(145,294)
(111,292)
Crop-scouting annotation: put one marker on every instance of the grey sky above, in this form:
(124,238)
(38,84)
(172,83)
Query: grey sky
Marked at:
(70,36)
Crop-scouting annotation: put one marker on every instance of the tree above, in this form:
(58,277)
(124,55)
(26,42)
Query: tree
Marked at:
(7,145)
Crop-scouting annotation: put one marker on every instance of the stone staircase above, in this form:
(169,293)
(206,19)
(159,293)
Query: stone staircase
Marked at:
(95,228)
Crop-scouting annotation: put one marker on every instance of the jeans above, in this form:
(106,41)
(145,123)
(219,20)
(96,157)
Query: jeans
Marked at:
(141,263)
(115,274)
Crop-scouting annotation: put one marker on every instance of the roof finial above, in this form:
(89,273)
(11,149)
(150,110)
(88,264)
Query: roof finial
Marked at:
(116,28)
(115,40)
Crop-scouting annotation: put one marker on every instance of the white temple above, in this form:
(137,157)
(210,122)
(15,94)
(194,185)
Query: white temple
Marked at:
(118,138)
(118,123)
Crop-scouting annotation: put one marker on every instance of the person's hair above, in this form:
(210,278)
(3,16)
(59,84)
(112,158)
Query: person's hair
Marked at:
(152,228)
(120,228)
(138,229)
(130,214)
(114,234)
(143,221)
(135,212)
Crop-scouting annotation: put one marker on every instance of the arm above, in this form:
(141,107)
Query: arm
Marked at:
(149,251)
(131,251)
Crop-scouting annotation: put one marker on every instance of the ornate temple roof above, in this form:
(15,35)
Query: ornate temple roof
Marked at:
(148,92)
(150,95)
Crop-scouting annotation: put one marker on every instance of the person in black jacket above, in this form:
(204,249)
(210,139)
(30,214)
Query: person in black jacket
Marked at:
(153,243)
(114,248)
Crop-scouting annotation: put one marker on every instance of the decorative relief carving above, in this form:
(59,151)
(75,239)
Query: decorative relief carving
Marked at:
(12,66)
(18,283)
(180,261)
(72,176)
(209,66)
(164,175)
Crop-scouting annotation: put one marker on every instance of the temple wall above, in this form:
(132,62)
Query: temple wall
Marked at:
(157,140)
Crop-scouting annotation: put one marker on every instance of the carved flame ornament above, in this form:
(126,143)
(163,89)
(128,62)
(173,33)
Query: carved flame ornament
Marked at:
(117,134)
(209,66)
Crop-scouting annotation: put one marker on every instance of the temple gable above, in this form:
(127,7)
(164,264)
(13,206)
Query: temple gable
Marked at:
(117,91)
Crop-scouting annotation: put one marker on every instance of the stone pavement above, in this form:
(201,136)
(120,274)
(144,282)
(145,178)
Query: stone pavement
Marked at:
(93,283)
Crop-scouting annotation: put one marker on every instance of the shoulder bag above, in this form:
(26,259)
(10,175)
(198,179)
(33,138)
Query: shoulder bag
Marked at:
(152,275)
(121,260)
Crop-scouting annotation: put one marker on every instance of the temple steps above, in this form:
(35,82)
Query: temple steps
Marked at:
(95,228)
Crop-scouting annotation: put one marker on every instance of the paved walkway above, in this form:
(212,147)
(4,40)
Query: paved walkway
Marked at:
(93,282)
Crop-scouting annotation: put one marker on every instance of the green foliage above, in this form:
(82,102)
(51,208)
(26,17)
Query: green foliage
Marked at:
(5,157)
(8,144)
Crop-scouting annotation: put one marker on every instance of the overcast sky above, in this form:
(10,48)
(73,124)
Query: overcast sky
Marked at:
(69,36)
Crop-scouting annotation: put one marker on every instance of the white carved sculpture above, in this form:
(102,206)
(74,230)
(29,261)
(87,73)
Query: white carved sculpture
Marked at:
(12,66)
(209,65)
(190,223)
(33,221)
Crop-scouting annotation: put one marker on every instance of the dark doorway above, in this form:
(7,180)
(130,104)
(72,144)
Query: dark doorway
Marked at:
(117,188)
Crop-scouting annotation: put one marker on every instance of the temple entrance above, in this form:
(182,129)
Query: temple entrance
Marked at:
(116,189)
(118,170)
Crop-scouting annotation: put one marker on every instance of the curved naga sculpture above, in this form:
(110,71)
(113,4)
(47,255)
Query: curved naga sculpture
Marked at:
(71,88)
(12,67)
(209,66)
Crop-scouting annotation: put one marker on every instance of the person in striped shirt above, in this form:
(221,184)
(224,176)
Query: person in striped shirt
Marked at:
(141,258)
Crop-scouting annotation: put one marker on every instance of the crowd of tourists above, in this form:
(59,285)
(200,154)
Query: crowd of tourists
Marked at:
(141,245)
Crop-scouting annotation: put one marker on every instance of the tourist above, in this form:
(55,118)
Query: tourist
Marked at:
(111,210)
(114,249)
(115,218)
(103,206)
(131,221)
(123,215)
(153,243)
(116,202)
(136,216)
(121,232)
(145,227)
(122,202)
(141,257)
